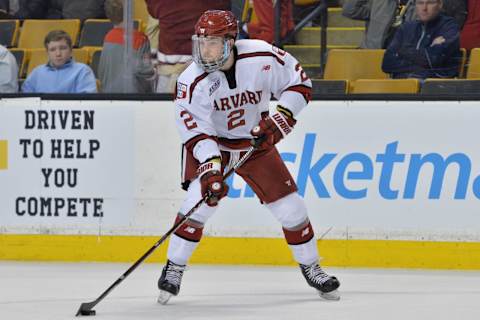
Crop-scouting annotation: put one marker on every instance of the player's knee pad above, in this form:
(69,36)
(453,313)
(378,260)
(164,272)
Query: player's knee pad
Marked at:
(290,211)
(190,230)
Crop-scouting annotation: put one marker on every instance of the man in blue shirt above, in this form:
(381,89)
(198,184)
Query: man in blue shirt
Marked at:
(61,74)
(426,48)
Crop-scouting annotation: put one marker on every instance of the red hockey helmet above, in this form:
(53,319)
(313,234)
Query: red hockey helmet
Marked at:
(217,23)
(211,44)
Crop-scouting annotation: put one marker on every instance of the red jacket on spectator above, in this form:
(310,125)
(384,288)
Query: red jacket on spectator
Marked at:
(470,36)
(177,21)
(265,28)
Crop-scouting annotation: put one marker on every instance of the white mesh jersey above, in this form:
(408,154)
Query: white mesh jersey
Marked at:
(229,104)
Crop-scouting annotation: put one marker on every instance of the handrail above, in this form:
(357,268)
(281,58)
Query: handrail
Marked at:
(320,10)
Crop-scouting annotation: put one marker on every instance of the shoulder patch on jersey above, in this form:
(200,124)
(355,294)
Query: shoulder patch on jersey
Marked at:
(214,86)
(181,90)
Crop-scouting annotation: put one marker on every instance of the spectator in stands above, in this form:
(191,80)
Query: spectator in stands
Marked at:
(426,48)
(84,9)
(136,76)
(264,29)
(51,9)
(24,9)
(4,9)
(470,36)
(8,71)
(61,74)
(383,17)
(176,23)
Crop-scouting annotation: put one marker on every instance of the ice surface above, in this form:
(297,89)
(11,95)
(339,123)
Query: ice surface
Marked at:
(51,291)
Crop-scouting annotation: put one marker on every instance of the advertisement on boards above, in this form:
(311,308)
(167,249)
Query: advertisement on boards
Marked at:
(67,165)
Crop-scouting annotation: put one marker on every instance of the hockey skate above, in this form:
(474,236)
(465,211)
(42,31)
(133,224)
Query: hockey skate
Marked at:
(325,284)
(169,282)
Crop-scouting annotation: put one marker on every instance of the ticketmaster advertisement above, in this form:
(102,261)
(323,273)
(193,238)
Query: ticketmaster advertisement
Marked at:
(407,170)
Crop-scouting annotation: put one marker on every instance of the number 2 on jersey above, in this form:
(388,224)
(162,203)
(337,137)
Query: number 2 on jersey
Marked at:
(188,120)
(235,119)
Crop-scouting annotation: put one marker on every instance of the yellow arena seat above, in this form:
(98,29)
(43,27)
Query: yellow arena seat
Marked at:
(141,13)
(95,30)
(461,71)
(37,57)
(353,64)
(474,64)
(9,32)
(34,31)
(19,55)
(384,86)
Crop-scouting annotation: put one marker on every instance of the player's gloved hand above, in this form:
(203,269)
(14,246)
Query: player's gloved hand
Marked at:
(211,180)
(273,128)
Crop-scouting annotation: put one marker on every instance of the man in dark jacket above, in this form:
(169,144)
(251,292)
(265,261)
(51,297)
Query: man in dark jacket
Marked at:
(53,9)
(426,48)
(382,17)
(24,9)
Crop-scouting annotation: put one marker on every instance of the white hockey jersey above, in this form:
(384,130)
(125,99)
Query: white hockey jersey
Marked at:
(227,105)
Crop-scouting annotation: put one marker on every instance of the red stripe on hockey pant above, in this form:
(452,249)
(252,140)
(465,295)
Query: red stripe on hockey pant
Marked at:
(300,236)
(189,231)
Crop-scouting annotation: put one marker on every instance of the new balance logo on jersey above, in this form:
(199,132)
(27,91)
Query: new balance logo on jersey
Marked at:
(266,67)
(305,232)
(238,100)
(190,230)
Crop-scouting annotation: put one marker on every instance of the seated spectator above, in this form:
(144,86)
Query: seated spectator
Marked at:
(383,17)
(4,9)
(176,21)
(8,72)
(470,36)
(51,9)
(265,28)
(426,48)
(380,16)
(136,76)
(61,74)
(84,9)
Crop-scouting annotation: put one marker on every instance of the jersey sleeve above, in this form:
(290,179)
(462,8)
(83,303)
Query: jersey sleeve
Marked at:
(290,85)
(193,113)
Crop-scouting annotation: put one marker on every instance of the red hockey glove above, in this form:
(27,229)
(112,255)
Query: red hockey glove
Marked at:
(272,129)
(211,180)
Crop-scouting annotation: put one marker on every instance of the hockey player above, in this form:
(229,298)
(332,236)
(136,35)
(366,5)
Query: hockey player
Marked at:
(220,99)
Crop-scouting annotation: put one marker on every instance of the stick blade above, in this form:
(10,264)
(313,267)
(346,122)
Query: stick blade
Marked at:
(86,309)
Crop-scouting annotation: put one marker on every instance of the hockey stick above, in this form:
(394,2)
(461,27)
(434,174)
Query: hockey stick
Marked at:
(86,308)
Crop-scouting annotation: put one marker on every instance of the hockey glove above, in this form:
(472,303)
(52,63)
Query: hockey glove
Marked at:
(211,181)
(272,129)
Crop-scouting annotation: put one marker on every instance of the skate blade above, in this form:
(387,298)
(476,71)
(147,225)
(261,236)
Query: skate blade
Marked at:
(332,295)
(163,297)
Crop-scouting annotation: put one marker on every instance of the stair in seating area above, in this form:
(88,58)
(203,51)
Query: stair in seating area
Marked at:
(342,33)
(336,19)
(310,54)
(336,36)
